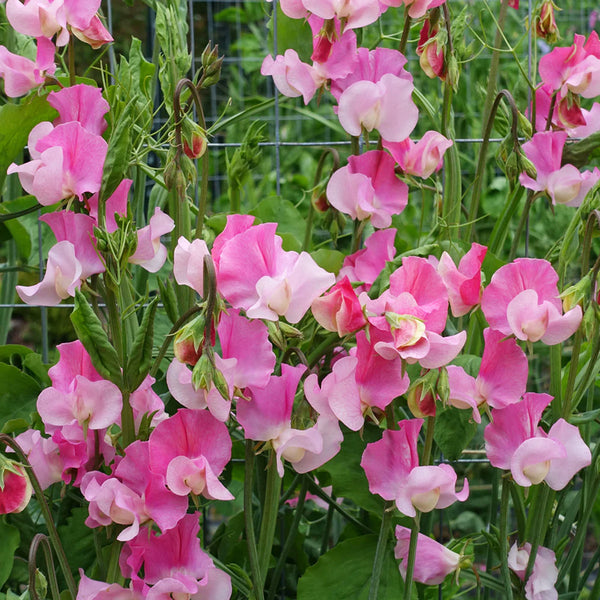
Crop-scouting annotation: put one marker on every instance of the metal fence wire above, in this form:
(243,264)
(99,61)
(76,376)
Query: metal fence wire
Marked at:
(240,29)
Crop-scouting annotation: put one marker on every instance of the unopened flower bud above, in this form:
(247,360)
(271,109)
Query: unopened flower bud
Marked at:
(545,22)
(290,331)
(209,56)
(15,487)
(202,375)
(275,334)
(193,138)
(189,341)
(576,294)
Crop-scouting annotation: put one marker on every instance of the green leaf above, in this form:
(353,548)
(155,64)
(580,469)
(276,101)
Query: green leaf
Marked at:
(278,210)
(18,394)
(138,364)
(348,477)
(117,157)
(10,542)
(16,121)
(345,572)
(453,431)
(292,34)
(78,540)
(94,339)
(330,260)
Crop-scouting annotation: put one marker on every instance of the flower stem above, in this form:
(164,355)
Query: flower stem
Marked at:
(412,555)
(405,31)
(269,517)
(382,541)
(47,514)
(249,521)
(504,539)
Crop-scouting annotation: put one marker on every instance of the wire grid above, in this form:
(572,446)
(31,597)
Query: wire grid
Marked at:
(205,25)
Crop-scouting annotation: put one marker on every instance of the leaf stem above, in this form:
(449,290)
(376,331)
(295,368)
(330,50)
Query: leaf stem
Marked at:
(382,542)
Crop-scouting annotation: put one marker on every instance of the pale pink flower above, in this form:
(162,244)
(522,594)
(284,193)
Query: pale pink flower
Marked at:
(116,204)
(20,74)
(254,273)
(90,589)
(392,469)
(463,283)
(339,309)
(500,356)
(416,8)
(67,160)
(291,76)
(515,441)
(188,462)
(43,456)
(420,158)
(522,299)
(356,13)
(433,561)
(367,188)
(82,103)
(150,253)
(294,9)
(564,184)
(541,582)
(188,263)
(366,264)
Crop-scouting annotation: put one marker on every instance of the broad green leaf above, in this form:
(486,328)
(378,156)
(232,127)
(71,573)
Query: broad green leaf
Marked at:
(78,540)
(10,352)
(330,260)
(345,573)
(454,430)
(140,360)
(292,34)
(278,210)
(94,339)
(10,542)
(16,121)
(18,393)
(348,477)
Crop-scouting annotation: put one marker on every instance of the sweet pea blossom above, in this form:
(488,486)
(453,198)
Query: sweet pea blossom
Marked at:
(15,487)
(491,386)
(291,76)
(82,103)
(150,253)
(416,8)
(20,74)
(392,469)
(367,188)
(339,310)
(564,184)
(254,273)
(420,158)
(541,582)
(522,299)
(356,13)
(191,463)
(90,589)
(515,441)
(67,160)
(433,561)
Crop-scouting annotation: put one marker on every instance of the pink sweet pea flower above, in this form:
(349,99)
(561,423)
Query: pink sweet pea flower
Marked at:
(431,52)
(574,68)
(420,158)
(522,299)
(365,265)
(334,55)
(191,463)
(339,309)
(541,582)
(291,76)
(94,34)
(67,161)
(463,283)
(294,9)
(90,589)
(146,401)
(359,383)
(564,184)
(392,469)
(15,487)
(515,441)
(82,103)
(355,13)
(433,561)
(254,273)
(115,205)
(43,456)
(63,276)
(132,495)
(150,253)
(500,356)
(20,74)
(174,562)
(188,263)
(371,106)
(416,8)
(367,188)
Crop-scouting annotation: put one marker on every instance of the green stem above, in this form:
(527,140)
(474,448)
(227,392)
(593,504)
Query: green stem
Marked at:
(382,542)
(357,235)
(405,31)
(354,145)
(41,540)
(412,555)
(113,574)
(555,378)
(492,517)
(203,203)
(504,539)
(331,341)
(451,205)
(127,421)
(47,514)
(426,459)
(538,513)
(269,517)
(521,226)
(249,522)
(71,53)
(500,230)
(568,396)
(287,546)
(328,522)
